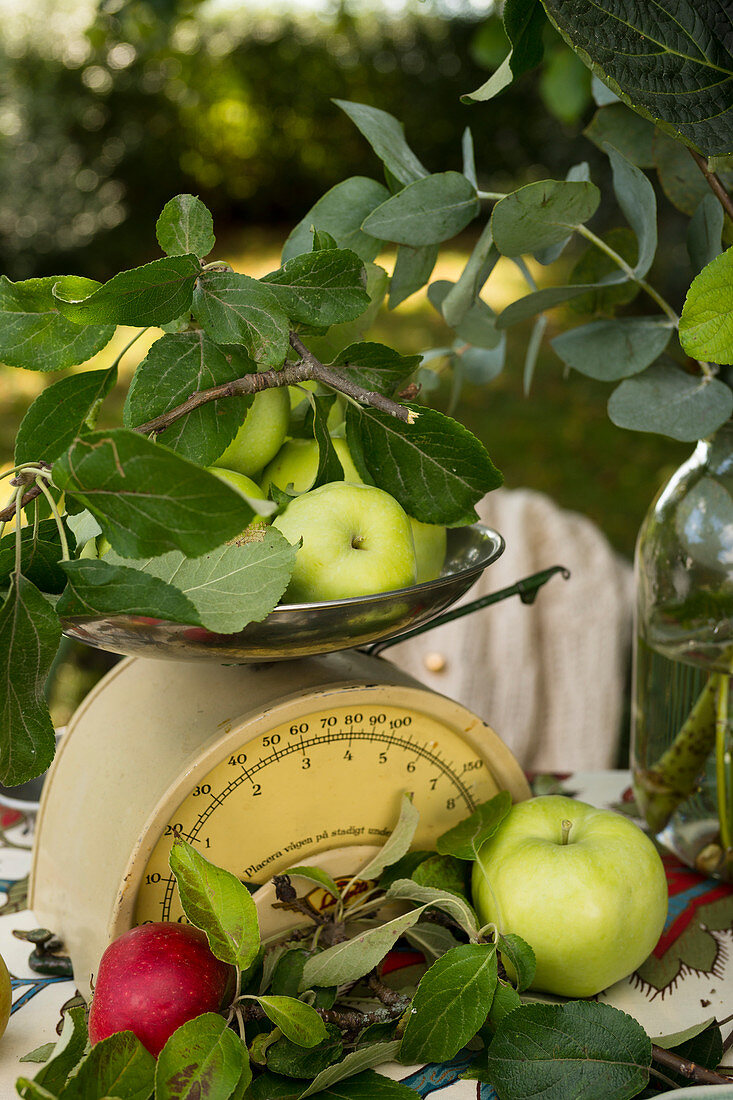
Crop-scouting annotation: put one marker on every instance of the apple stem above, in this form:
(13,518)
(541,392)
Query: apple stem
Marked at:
(566,827)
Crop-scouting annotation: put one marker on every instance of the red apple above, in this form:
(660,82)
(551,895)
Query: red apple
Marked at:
(153,979)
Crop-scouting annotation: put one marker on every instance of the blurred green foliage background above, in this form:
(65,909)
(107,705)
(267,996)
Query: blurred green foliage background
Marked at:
(107,112)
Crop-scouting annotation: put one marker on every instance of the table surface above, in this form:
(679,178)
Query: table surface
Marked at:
(687,979)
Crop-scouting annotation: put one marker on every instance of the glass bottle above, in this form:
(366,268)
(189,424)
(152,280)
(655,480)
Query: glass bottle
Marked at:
(682,704)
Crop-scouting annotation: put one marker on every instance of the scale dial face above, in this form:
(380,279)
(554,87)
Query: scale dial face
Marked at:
(331,778)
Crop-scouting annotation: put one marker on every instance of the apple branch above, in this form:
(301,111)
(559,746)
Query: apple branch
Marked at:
(306,369)
(714,183)
(691,1070)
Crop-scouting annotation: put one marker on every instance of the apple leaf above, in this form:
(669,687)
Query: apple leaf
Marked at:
(203,1058)
(455,906)
(304,1062)
(666,400)
(377,367)
(40,557)
(397,843)
(477,326)
(506,999)
(352,959)
(386,136)
(66,1053)
(465,839)
(185,226)
(152,294)
(428,211)
(413,267)
(705,1049)
(541,214)
(369,1085)
(704,233)
(317,877)
(340,212)
(644,50)
(431,939)
(524,22)
(35,336)
(452,1001)
(329,463)
(146,498)
(59,414)
(352,1065)
(521,956)
(298,1022)
(613,349)
(235,309)
(326,287)
(579,1048)
(215,901)
(706,324)
(227,588)
(442,873)
(118,1066)
(176,366)
(108,587)
(29,637)
(403,868)
(435,468)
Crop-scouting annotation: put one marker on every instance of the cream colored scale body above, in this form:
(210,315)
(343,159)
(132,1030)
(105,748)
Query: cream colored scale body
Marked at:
(260,767)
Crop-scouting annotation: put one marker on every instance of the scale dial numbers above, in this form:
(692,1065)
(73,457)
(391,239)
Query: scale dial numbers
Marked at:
(329,779)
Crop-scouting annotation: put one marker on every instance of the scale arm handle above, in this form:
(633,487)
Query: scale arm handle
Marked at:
(526,589)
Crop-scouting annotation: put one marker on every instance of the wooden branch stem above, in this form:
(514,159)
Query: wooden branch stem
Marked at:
(714,183)
(691,1070)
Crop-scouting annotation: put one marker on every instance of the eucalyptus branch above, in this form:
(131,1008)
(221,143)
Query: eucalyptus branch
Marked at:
(691,1070)
(714,183)
(306,369)
(629,271)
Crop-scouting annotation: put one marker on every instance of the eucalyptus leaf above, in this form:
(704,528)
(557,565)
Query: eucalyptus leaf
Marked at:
(452,1001)
(118,1066)
(40,557)
(230,586)
(461,296)
(298,1022)
(465,839)
(482,365)
(176,366)
(636,198)
(29,637)
(66,1053)
(60,413)
(666,400)
(377,367)
(628,132)
(435,468)
(387,138)
(352,959)
(235,309)
(644,50)
(540,214)
(577,173)
(521,957)
(579,1048)
(396,845)
(147,499)
(460,911)
(185,226)
(469,157)
(608,287)
(340,212)
(602,94)
(356,1062)
(34,335)
(706,324)
(428,211)
(532,353)
(216,901)
(326,287)
(613,349)
(149,295)
(704,233)
(413,268)
(203,1058)
(101,588)
(477,326)
(547,298)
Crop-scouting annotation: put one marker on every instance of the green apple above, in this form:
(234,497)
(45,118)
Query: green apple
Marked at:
(430,545)
(261,435)
(296,464)
(249,489)
(584,887)
(356,541)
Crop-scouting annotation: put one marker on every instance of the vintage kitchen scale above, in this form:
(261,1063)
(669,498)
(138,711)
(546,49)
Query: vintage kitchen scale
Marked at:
(265,749)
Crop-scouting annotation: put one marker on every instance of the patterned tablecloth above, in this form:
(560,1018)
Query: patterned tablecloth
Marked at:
(687,979)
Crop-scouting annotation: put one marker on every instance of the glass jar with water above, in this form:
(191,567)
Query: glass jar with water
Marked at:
(682,706)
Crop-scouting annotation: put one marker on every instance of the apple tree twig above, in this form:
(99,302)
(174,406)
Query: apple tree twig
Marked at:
(714,183)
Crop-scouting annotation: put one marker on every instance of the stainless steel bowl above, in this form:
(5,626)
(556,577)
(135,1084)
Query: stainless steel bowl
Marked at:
(302,630)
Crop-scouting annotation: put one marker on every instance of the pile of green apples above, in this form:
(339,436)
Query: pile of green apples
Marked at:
(355,538)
